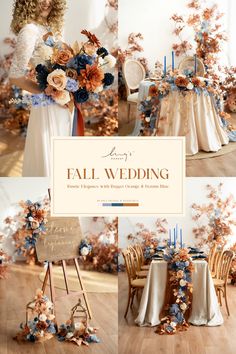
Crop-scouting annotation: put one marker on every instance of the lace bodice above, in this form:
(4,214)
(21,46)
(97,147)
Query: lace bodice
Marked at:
(28,49)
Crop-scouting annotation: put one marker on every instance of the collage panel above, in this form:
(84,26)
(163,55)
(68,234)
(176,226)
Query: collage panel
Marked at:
(177,78)
(58,276)
(58,78)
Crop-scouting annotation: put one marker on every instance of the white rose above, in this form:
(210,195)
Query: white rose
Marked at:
(62,98)
(42,317)
(110,61)
(30,218)
(84,251)
(183,306)
(182,282)
(147,119)
(69,335)
(190,86)
(99,89)
(173,324)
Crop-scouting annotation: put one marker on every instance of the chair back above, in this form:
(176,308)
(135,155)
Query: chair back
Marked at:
(139,249)
(134,73)
(136,256)
(224,265)
(211,257)
(129,265)
(216,262)
(188,64)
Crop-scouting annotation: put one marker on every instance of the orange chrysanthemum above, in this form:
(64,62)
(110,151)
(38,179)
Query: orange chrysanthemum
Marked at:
(181,81)
(92,38)
(91,77)
(153,91)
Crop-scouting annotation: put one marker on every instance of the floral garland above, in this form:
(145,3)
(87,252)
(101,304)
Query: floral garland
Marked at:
(42,326)
(4,263)
(31,222)
(179,292)
(174,81)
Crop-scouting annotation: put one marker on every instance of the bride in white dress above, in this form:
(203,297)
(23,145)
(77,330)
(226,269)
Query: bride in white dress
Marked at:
(31,21)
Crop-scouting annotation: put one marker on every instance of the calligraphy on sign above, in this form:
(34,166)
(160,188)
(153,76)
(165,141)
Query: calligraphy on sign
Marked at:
(61,240)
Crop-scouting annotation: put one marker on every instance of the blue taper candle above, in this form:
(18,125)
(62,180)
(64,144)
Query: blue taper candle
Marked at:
(176,231)
(173,60)
(165,65)
(181,238)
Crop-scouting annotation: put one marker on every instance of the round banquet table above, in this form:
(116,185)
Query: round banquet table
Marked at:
(191,115)
(205,307)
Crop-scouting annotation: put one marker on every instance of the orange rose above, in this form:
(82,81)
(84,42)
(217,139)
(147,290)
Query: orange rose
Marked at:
(57,79)
(196,81)
(62,56)
(91,77)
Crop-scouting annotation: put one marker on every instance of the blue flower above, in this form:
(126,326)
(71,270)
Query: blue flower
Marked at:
(79,62)
(50,41)
(93,339)
(102,52)
(71,85)
(81,95)
(42,74)
(108,79)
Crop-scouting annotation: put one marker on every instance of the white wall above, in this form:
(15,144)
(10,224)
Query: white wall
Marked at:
(152,19)
(80,15)
(195,193)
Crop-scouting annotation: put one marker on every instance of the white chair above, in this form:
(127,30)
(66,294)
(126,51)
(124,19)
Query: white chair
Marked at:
(188,64)
(134,73)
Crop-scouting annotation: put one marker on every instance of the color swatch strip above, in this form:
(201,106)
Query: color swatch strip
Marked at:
(120,204)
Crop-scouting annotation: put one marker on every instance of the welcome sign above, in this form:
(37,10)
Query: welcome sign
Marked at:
(118,176)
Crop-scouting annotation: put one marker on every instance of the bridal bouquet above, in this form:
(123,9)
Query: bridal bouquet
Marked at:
(74,74)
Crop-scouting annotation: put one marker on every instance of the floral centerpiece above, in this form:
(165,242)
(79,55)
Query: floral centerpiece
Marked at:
(42,325)
(179,291)
(185,83)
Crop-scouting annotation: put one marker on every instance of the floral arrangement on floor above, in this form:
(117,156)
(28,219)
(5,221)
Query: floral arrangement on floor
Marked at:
(42,326)
(77,330)
(100,252)
(29,223)
(149,239)
(5,260)
(132,50)
(174,81)
(179,292)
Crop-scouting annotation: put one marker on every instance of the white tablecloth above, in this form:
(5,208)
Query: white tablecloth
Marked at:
(191,115)
(205,307)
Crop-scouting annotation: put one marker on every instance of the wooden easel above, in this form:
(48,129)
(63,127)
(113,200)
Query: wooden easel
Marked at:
(49,276)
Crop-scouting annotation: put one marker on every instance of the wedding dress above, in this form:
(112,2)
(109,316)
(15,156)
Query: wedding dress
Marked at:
(44,122)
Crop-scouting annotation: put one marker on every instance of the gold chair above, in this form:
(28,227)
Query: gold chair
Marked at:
(216,262)
(222,274)
(140,273)
(211,257)
(135,284)
(188,64)
(134,73)
(139,250)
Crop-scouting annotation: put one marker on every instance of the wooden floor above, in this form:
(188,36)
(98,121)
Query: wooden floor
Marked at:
(20,288)
(221,166)
(197,340)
